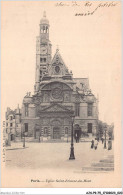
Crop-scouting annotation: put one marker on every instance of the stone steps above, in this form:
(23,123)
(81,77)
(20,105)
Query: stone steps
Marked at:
(104,165)
(107,161)
(31,139)
(98,169)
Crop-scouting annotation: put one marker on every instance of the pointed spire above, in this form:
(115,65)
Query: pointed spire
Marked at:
(18,109)
(44,20)
(44,14)
(57,49)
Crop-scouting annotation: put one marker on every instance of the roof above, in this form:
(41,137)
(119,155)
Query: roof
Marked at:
(82,83)
(44,20)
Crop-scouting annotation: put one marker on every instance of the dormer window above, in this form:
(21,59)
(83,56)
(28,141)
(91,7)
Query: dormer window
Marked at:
(90,106)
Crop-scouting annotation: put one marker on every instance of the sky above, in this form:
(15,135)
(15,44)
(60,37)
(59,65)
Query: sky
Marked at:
(89,45)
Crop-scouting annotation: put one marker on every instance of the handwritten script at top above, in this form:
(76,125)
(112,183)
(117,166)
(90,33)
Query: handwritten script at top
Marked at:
(90,6)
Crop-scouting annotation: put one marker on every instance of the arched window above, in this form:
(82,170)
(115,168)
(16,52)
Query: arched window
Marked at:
(26,110)
(41,29)
(40,72)
(90,107)
(77,109)
(45,131)
(44,29)
(66,130)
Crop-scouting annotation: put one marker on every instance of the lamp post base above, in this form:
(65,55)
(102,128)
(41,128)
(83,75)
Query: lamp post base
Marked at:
(72,157)
(105,146)
(24,143)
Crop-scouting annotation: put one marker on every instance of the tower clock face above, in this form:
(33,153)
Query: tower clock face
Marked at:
(43,50)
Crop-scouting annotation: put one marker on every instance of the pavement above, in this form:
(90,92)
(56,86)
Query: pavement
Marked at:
(56,156)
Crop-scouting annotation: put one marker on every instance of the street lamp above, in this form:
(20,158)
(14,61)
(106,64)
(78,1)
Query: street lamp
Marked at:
(25,133)
(24,139)
(72,157)
(105,127)
(39,135)
(67,136)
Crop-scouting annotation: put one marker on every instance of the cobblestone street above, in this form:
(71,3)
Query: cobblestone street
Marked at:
(54,155)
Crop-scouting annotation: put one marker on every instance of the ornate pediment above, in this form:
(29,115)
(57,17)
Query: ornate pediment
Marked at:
(58,68)
(55,108)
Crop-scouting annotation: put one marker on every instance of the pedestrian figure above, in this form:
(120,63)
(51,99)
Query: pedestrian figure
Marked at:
(76,137)
(92,143)
(109,144)
(96,144)
(102,140)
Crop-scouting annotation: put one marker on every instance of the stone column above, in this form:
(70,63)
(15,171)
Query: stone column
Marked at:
(42,133)
(49,133)
(62,133)
(9,139)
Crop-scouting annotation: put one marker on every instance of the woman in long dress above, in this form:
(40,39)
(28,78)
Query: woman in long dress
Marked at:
(95,144)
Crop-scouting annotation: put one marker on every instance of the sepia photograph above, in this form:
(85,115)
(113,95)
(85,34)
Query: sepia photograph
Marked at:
(61,94)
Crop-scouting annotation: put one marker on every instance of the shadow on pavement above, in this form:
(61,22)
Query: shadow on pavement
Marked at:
(17,148)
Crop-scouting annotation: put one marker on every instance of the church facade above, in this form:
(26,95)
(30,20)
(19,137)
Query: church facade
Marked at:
(58,97)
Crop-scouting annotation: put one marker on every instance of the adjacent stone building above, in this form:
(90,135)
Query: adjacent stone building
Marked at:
(13,123)
(58,96)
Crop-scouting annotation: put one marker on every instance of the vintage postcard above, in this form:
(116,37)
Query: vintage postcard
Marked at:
(61,94)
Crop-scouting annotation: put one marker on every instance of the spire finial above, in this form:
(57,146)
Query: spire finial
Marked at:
(57,49)
(44,14)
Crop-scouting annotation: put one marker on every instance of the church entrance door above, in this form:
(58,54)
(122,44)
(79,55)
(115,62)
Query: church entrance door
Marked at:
(56,133)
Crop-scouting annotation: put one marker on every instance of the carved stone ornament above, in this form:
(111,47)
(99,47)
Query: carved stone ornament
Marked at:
(37,100)
(57,69)
(56,93)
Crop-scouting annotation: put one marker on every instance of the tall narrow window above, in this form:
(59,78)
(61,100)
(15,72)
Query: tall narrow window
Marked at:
(41,59)
(66,130)
(90,109)
(45,130)
(10,117)
(44,29)
(26,110)
(26,127)
(89,127)
(40,72)
(77,109)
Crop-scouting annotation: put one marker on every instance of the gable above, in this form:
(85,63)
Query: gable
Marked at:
(57,58)
(58,67)
(55,108)
(81,83)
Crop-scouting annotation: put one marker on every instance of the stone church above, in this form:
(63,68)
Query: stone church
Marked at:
(58,97)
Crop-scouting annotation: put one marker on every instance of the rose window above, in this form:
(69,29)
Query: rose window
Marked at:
(56,93)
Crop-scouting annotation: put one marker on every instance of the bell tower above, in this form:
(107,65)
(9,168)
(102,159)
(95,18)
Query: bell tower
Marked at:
(43,51)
